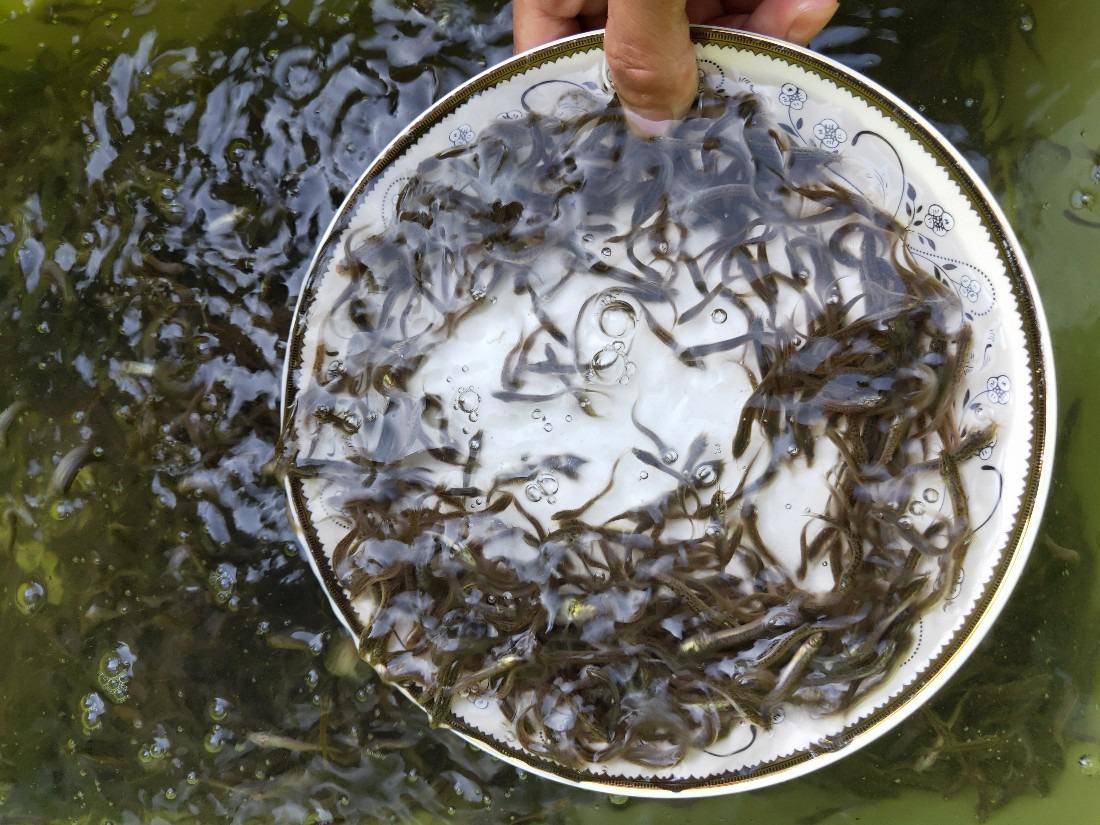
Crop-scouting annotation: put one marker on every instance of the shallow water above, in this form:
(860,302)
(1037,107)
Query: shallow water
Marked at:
(167,170)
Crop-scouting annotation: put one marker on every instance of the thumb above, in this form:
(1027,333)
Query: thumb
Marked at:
(652,61)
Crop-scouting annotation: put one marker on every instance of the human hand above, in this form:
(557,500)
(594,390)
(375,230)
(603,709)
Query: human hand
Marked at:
(648,44)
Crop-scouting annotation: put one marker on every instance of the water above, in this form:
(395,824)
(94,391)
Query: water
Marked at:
(168,168)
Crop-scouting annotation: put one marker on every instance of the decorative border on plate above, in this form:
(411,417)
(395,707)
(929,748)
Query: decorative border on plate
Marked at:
(1027,305)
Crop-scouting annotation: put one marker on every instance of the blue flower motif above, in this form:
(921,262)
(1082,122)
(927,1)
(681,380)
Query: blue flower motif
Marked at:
(830,134)
(940,220)
(461,135)
(792,96)
(999,388)
(971,288)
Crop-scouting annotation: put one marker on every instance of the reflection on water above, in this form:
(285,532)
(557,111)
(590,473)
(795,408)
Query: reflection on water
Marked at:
(168,169)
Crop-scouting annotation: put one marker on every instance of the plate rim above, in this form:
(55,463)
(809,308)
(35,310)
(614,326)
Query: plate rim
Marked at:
(1032,500)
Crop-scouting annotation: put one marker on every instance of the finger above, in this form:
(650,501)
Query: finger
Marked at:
(652,60)
(795,20)
(535,22)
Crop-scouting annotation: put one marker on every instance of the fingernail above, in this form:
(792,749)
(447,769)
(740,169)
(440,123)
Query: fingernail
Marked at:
(646,127)
(812,17)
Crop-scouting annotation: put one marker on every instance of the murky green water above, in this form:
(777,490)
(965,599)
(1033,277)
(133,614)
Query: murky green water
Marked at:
(167,168)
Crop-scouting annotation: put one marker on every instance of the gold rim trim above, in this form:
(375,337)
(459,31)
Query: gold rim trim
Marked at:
(1025,304)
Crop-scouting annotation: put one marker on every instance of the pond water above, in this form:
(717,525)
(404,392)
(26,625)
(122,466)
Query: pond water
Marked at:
(167,656)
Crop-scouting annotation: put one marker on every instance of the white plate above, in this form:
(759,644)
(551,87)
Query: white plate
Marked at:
(900,162)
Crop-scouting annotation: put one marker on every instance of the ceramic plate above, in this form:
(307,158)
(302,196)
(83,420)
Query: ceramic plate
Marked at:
(954,228)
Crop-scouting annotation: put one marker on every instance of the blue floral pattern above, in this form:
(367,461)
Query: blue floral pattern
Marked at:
(939,220)
(999,388)
(829,134)
(792,96)
(970,288)
(461,135)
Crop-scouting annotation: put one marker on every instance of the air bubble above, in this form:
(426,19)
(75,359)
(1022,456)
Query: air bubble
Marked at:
(618,346)
(793,451)
(1080,200)
(718,316)
(533,492)
(606,251)
(568,418)
(536,414)
(670,456)
(1027,22)
(218,709)
(605,358)
(475,443)
(617,318)
(706,475)
(588,237)
(643,475)
(92,708)
(116,669)
(548,426)
(214,740)
(465,368)
(931,495)
(468,400)
(30,597)
(223,582)
(917,508)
